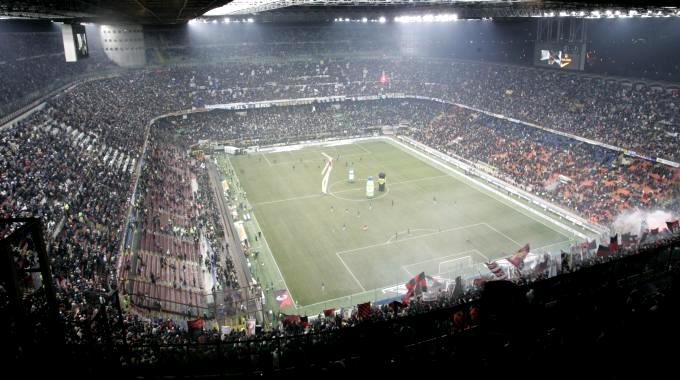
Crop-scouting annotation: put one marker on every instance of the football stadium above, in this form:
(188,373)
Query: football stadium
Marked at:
(251,188)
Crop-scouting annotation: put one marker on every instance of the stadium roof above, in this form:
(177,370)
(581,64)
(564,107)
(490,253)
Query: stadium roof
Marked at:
(181,11)
(256,6)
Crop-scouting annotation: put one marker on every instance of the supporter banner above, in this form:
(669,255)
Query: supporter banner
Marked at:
(603,251)
(496,270)
(518,258)
(291,318)
(614,243)
(250,327)
(195,324)
(666,162)
(364,310)
(415,286)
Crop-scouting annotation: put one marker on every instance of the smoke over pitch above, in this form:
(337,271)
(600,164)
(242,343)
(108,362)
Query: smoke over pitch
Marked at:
(635,221)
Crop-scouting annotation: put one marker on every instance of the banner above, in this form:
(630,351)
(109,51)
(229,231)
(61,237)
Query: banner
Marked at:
(195,324)
(496,270)
(364,310)
(415,287)
(518,258)
(250,327)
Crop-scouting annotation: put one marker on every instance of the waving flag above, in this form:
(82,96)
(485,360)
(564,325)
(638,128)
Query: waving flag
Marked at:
(195,324)
(496,270)
(603,251)
(614,243)
(415,287)
(518,258)
(364,310)
(287,319)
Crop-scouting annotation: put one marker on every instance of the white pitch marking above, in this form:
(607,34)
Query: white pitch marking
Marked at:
(407,239)
(266,159)
(364,149)
(502,234)
(350,272)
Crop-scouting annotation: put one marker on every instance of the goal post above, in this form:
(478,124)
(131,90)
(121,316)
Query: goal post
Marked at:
(460,266)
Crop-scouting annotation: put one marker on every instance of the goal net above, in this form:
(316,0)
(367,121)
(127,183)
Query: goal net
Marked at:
(460,266)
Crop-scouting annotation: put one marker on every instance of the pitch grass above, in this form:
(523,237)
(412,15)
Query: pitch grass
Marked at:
(329,248)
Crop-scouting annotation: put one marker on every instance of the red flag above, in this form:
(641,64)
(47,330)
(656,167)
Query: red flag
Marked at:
(363,310)
(195,324)
(291,318)
(283,298)
(603,251)
(415,287)
(614,243)
(518,258)
(384,78)
(458,319)
(329,312)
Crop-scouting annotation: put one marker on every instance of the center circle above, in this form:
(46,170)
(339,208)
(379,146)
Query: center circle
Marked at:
(363,193)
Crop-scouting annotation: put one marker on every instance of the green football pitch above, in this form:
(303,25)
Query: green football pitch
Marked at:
(341,248)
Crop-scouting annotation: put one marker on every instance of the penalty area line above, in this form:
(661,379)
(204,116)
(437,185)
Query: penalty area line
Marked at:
(266,159)
(349,251)
(350,272)
(364,149)
(502,234)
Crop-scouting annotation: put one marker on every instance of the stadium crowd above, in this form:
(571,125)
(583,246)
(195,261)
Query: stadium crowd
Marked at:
(175,211)
(33,64)
(529,157)
(596,182)
(624,113)
(307,122)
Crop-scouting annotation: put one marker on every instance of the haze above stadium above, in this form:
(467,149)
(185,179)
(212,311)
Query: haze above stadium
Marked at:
(196,188)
